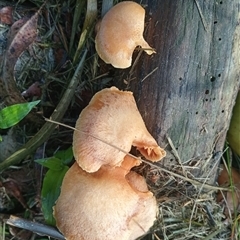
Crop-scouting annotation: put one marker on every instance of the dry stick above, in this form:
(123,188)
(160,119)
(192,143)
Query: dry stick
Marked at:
(201,15)
(35,227)
(175,153)
(203,185)
(199,192)
(148,75)
(43,134)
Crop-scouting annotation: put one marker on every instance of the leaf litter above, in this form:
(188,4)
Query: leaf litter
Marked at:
(21,35)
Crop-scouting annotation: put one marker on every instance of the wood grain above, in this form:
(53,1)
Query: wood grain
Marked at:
(190,96)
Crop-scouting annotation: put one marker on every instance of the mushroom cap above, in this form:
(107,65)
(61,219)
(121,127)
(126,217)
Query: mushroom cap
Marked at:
(120,32)
(111,116)
(103,205)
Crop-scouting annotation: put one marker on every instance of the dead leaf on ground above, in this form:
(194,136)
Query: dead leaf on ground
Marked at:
(15,28)
(20,234)
(6,15)
(232,197)
(22,34)
(21,38)
(12,188)
(33,91)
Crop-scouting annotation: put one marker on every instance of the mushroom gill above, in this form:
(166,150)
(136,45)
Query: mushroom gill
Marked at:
(108,127)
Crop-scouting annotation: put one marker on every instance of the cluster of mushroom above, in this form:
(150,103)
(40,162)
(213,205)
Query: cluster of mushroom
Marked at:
(101,197)
(120,32)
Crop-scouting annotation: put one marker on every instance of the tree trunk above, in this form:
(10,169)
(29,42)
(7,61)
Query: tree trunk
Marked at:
(186,91)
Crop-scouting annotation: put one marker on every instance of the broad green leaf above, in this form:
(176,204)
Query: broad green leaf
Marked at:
(53,180)
(9,116)
(50,191)
(65,155)
(53,163)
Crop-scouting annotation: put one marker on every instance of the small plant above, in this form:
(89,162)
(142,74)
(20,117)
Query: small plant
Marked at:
(57,167)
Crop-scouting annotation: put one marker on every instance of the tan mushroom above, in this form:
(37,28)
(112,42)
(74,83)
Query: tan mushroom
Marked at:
(104,204)
(120,32)
(111,116)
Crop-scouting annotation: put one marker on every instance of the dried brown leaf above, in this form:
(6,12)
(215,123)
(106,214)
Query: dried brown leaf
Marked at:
(15,28)
(33,90)
(12,189)
(6,16)
(22,34)
(232,197)
(20,41)
(224,178)
(233,200)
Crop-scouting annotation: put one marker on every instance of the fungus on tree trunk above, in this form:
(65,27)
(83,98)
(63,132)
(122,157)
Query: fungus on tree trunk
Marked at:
(112,115)
(101,198)
(120,32)
(105,204)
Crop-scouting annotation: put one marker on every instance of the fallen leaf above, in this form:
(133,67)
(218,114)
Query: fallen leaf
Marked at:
(33,91)
(60,55)
(25,36)
(20,234)
(22,34)
(12,189)
(14,29)
(6,16)
(232,197)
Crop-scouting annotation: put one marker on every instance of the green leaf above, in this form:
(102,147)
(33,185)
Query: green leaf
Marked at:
(52,163)
(53,180)
(9,116)
(50,192)
(65,155)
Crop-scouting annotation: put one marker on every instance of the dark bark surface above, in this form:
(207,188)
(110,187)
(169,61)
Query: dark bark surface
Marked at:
(193,78)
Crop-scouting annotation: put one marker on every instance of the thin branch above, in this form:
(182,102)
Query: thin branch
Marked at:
(195,182)
(35,227)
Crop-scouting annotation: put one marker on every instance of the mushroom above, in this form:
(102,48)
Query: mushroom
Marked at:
(108,127)
(120,32)
(105,204)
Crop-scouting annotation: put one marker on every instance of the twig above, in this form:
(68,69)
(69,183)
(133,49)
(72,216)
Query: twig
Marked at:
(35,227)
(199,192)
(195,182)
(201,15)
(154,70)
(175,153)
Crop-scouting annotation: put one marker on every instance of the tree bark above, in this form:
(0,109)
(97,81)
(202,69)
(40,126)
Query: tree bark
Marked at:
(187,90)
